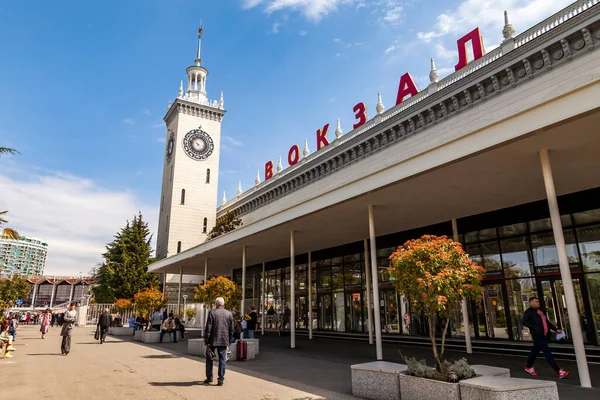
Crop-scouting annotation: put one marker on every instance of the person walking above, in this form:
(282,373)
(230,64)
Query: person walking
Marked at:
(104,322)
(539,327)
(45,322)
(217,336)
(69,319)
(251,325)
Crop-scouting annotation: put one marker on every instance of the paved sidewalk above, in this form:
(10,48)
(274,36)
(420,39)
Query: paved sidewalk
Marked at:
(122,369)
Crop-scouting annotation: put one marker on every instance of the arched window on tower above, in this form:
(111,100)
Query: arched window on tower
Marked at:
(182,196)
(205,225)
(178,247)
(208,175)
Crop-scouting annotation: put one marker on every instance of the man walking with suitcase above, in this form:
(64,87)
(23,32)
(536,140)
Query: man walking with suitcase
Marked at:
(217,336)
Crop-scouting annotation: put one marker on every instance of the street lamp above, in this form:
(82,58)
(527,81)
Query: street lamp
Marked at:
(185,296)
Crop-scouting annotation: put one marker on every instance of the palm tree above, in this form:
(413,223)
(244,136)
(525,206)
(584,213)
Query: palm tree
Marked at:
(6,150)
(7,232)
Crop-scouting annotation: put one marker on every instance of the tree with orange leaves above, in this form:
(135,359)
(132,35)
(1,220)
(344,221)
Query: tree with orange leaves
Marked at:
(437,274)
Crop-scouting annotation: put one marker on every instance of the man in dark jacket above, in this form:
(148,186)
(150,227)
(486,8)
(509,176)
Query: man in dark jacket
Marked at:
(104,322)
(539,327)
(217,336)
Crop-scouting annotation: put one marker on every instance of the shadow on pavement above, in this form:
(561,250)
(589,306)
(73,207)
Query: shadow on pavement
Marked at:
(182,384)
(159,356)
(44,354)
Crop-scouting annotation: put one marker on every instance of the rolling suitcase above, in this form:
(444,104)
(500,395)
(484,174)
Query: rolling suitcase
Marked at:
(242,350)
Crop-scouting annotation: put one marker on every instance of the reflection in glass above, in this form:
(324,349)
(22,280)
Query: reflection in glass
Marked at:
(519,293)
(491,258)
(492,318)
(339,312)
(301,277)
(382,267)
(544,248)
(516,258)
(587,217)
(474,251)
(337,272)
(324,278)
(593,284)
(353,273)
(512,230)
(589,247)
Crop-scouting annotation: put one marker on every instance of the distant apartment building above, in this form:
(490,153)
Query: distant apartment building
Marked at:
(24,256)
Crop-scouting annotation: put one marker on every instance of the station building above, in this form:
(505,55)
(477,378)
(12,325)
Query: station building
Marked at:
(502,155)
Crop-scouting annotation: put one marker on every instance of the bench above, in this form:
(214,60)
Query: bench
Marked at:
(486,370)
(154,337)
(121,331)
(378,380)
(503,388)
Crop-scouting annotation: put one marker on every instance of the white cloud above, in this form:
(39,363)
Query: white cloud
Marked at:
(337,40)
(228,143)
(74,215)
(390,49)
(314,10)
(128,121)
(275,28)
(303,33)
(146,112)
(161,139)
(489,16)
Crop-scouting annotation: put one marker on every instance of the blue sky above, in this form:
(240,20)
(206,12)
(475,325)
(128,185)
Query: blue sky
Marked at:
(84,87)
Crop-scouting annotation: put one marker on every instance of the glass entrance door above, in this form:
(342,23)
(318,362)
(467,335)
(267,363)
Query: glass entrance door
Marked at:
(354,315)
(325,314)
(553,299)
(390,315)
(491,314)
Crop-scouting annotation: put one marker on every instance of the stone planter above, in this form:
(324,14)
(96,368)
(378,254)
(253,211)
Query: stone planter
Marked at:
(378,380)
(196,347)
(121,331)
(415,388)
(503,388)
(154,337)
(137,336)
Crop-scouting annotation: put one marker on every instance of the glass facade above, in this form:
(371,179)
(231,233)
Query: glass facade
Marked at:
(519,256)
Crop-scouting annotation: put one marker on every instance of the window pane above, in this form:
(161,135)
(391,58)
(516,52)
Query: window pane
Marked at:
(324,278)
(512,230)
(516,258)
(587,217)
(353,274)
(478,236)
(589,246)
(301,277)
(491,259)
(338,277)
(593,283)
(544,248)
(474,251)
(385,253)
(546,225)
(383,265)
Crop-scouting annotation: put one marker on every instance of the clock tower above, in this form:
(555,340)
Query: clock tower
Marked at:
(188,203)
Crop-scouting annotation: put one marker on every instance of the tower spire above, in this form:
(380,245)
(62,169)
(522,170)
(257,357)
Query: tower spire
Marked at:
(198,60)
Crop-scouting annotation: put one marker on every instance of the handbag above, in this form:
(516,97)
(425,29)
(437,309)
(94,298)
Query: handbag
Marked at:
(97,333)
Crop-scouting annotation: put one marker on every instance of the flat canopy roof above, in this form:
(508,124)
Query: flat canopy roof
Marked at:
(484,159)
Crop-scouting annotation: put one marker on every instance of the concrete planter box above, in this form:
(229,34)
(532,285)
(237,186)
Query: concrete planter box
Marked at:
(415,388)
(379,380)
(137,336)
(121,331)
(255,343)
(503,388)
(486,370)
(196,347)
(154,337)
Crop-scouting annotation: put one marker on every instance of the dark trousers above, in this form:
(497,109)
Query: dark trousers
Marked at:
(174,332)
(541,344)
(65,346)
(222,352)
(103,333)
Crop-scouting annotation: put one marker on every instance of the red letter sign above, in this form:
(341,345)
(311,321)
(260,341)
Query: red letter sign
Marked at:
(322,140)
(268,170)
(293,155)
(476,43)
(407,86)
(361,114)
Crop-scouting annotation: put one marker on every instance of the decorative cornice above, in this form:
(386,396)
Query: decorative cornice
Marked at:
(491,77)
(181,106)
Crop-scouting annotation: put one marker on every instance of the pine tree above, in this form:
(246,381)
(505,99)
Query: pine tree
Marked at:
(125,270)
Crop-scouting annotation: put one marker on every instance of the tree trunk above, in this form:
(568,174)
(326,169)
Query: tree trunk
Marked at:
(438,363)
(444,338)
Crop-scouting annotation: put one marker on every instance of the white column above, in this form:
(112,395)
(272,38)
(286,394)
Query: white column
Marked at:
(310,318)
(565,271)
(179,290)
(243,285)
(374,271)
(195,81)
(205,270)
(71,295)
(368,279)
(35,288)
(52,296)
(264,278)
(292,291)
(465,309)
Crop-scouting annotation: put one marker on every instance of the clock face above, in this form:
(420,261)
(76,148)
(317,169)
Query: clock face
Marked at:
(170,147)
(198,144)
